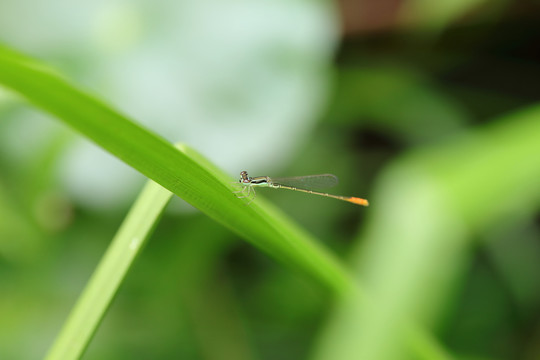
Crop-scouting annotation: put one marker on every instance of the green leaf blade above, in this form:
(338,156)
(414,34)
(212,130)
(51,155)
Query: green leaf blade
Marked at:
(182,172)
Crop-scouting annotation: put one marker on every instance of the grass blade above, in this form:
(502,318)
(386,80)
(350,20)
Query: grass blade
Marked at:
(182,171)
(98,294)
(185,173)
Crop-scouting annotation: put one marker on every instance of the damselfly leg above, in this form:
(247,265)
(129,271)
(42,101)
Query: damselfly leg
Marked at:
(245,192)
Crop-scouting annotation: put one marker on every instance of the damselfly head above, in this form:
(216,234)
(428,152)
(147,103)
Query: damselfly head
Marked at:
(244,178)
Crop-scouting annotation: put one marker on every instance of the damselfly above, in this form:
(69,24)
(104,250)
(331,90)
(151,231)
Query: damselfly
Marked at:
(297,183)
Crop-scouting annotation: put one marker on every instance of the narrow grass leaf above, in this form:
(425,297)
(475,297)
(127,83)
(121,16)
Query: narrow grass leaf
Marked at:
(184,173)
(102,287)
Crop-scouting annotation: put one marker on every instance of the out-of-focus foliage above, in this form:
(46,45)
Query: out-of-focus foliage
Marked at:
(432,116)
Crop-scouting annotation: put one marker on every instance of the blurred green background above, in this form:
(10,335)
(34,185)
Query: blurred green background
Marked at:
(428,109)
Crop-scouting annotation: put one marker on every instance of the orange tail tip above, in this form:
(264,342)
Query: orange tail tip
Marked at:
(358,201)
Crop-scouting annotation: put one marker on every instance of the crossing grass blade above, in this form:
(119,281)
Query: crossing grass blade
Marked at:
(110,273)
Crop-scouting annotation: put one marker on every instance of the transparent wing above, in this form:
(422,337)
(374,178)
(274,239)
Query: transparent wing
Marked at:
(309,182)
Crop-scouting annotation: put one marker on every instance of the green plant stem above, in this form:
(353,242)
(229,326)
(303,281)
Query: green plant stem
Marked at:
(111,271)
